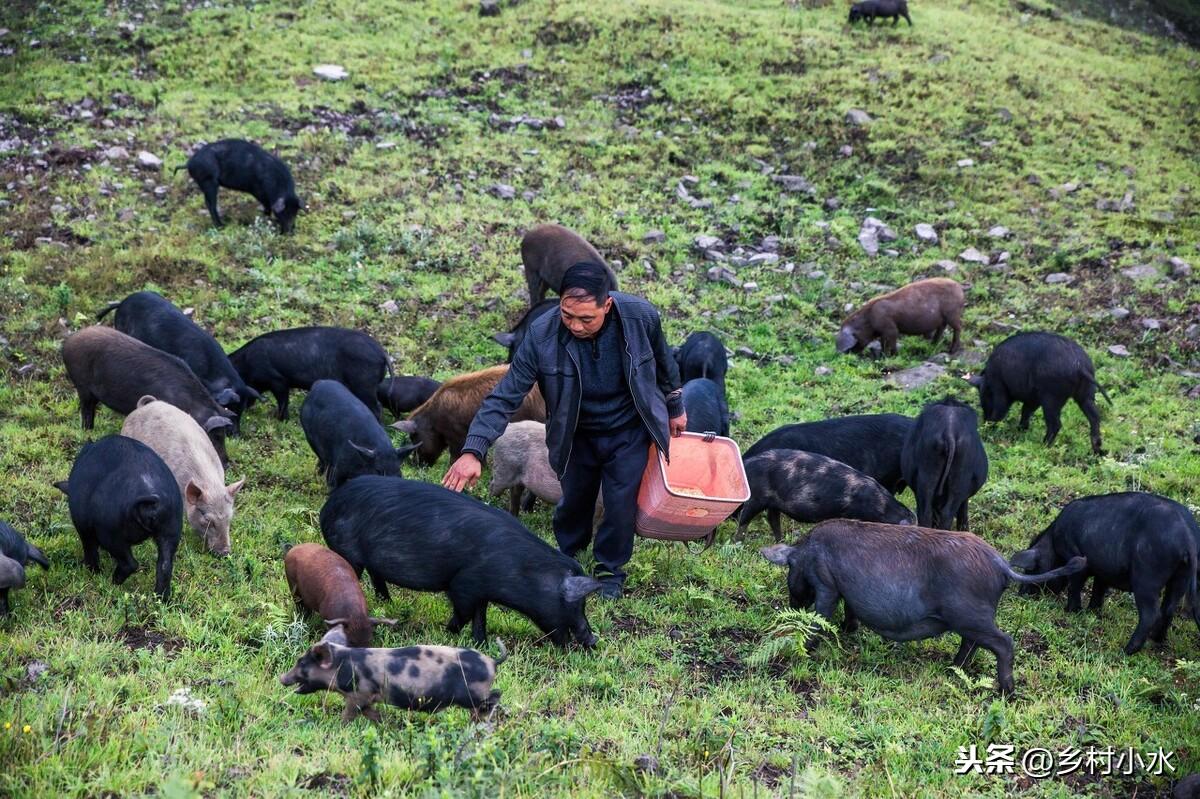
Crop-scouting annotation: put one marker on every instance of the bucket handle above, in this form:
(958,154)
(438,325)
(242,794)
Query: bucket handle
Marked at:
(709,436)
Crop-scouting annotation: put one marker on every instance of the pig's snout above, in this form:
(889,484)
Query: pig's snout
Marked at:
(289,678)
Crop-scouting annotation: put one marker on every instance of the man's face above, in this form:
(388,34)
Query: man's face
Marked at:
(582,316)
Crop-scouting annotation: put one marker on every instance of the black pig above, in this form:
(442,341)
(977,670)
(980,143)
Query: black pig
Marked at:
(702,355)
(244,166)
(870,443)
(812,488)
(153,320)
(944,462)
(427,678)
(107,366)
(428,538)
(1133,541)
(870,9)
(15,554)
(1039,370)
(347,439)
(403,393)
(513,338)
(704,404)
(907,583)
(121,493)
(300,356)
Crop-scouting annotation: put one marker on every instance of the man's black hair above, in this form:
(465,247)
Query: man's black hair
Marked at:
(587,279)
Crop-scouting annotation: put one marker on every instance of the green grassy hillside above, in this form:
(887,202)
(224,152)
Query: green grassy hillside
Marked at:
(615,119)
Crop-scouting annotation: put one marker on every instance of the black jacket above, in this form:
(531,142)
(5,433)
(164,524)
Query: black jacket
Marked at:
(544,358)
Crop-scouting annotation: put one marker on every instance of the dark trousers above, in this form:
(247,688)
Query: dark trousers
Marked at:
(612,462)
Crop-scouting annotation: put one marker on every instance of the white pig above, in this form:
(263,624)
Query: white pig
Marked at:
(521,462)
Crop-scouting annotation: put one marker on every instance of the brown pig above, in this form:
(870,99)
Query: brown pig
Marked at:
(548,251)
(324,583)
(924,308)
(427,678)
(443,420)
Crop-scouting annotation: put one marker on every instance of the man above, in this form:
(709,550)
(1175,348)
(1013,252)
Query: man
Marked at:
(611,386)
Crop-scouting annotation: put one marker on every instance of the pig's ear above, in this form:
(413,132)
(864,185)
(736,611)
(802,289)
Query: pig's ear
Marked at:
(192,493)
(366,452)
(504,339)
(405,426)
(323,654)
(1026,559)
(235,487)
(61,485)
(146,400)
(402,453)
(576,587)
(227,397)
(975,380)
(216,422)
(779,554)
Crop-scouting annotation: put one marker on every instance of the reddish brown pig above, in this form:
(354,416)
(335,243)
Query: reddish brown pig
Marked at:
(445,417)
(324,583)
(923,308)
(548,251)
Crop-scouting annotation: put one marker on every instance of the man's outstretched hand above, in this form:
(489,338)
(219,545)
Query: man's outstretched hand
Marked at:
(463,473)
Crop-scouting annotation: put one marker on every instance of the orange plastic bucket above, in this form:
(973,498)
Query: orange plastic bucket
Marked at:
(688,498)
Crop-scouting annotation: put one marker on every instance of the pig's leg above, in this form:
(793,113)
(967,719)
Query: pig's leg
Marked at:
(1098,589)
(955,327)
(966,650)
(380,584)
(961,521)
(91,550)
(826,604)
(925,504)
(464,606)
(514,499)
(1075,590)
(209,187)
(529,501)
(936,335)
(126,565)
(773,520)
(1001,645)
(907,18)
(4,602)
(537,288)
(479,623)
(1145,596)
(1175,591)
(1052,412)
(1027,411)
(889,338)
(1087,404)
(352,710)
(750,508)
(281,401)
(87,410)
(164,566)
(849,620)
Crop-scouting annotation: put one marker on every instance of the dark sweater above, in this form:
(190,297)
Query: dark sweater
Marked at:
(607,403)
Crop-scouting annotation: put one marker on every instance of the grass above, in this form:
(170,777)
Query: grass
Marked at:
(731,93)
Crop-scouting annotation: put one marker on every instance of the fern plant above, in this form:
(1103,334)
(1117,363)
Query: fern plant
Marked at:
(788,635)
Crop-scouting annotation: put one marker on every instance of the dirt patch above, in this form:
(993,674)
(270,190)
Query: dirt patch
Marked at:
(631,625)
(143,638)
(338,784)
(1033,642)
(571,31)
(794,65)
(631,99)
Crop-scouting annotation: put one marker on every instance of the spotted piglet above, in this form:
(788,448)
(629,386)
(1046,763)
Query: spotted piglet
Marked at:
(427,678)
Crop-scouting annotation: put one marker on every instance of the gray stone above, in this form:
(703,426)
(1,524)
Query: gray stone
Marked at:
(769,244)
(715,255)
(503,191)
(646,763)
(148,160)
(998,232)
(822,371)
(857,117)
(966,162)
(926,233)
(1193,332)
(704,243)
(764,258)
(489,8)
(116,154)
(749,286)
(723,274)
(947,266)
(872,232)
(1119,313)
(1118,350)
(832,203)
(917,376)
(1055,278)
(389,307)
(795,184)
(654,237)
(845,151)
(745,352)
(1179,267)
(1141,272)
(785,360)
(1151,324)
(333,72)
(972,255)
(816,274)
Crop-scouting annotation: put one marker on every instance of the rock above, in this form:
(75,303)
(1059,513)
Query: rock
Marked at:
(1064,189)
(715,255)
(795,184)
(489,8)
(815,274)
(723,274)
(998,232)
(705,243)
(1151,324)
(116,154)
(1141,272)
(654,237)
(845,151)
(389,307)
(1179,267)
(1192,332)
(126,215)
(1118,350)
(965,162)
(917,376)
(822,371)
(503,191)
(939,58)
(769,244)
(1193,393)
(745,352)
(1119,313)
(832,203)
(385,145)
(1055,278)
(857,117)
(947,266)
(764,258)
(1004,114)
(872,232)
(926,233)
(35,669)
(148,160)
(646,763)
(749,286)
(972,255)
(333,72)
(528,196)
